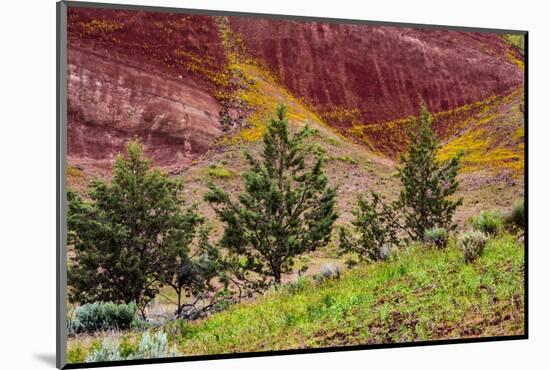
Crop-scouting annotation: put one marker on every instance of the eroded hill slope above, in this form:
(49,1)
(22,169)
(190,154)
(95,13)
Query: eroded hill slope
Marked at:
(356,75)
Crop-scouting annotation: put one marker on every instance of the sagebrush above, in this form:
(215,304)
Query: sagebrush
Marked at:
(472,244)
(103,316)
(437,236)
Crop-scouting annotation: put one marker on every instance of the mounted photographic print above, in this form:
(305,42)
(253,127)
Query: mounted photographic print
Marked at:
(234,184)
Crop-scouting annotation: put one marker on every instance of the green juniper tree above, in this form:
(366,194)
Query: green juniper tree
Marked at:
(287,208)
(128,233)
(374,227)
(427,184)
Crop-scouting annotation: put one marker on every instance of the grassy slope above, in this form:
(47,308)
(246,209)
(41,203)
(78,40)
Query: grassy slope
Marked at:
(422,294)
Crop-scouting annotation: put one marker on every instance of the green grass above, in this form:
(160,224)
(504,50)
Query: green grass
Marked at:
(516,40)
(76,353)
(422,294)
(343,158)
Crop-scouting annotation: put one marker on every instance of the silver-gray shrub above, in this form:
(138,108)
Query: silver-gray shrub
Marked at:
(154,346)
(109,351)
(103,316)
(472,244)
(150,346)
(330,271)
(437,237)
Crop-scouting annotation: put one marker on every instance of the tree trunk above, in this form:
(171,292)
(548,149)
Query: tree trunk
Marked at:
(277,274)
(178,312)
(142,312)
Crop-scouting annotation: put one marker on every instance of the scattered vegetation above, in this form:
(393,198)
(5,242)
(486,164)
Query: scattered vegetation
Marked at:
(345,159)
(394,301)
(330,140)
(516,40)
(287,209)
(491,134)
(74,172)
(341,115)
(101,26)
(390,137)
(424,208)
(384,302)
(494,142)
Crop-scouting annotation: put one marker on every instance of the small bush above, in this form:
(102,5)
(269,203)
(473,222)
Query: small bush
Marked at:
(472,244)
(103,316)
(154,346)
(141,325)
(300,285)
(385,252)
(374,232)
(516,217)
(330,271)
(436,236)
(109,351)
(220,172)
(76,354)
(127,346)
(487,222)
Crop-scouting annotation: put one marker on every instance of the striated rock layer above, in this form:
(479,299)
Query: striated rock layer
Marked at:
(372,74)
(135,75)
(111,103)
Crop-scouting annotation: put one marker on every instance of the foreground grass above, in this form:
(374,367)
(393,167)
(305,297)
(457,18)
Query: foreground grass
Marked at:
(423,294)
